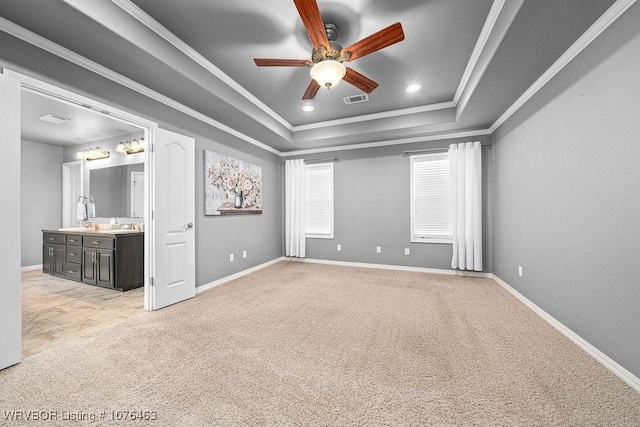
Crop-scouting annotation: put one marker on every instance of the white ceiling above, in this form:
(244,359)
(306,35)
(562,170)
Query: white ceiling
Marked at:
(474,59)
(83,126)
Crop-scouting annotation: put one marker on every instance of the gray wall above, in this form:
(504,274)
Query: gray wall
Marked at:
(41,196)
(567,195)
(216,238)
(371,199)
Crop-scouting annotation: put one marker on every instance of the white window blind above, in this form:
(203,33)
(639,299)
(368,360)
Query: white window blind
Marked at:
(430,199)
(319,200)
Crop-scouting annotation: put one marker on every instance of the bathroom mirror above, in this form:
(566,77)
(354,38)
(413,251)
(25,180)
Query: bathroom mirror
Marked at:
(118,191)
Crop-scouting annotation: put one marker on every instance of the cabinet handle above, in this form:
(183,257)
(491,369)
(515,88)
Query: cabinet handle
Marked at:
(71,271)
(51,238)
(72,254)
(95,243)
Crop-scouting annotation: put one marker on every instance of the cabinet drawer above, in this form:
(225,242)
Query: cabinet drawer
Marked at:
(98,242)
(73,271)
(74,254)
(54,238)
(73,239)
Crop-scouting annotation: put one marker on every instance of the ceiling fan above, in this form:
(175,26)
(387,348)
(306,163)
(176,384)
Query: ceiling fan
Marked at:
(327,56)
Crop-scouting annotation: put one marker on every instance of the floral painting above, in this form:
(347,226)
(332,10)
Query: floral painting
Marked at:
(232,186)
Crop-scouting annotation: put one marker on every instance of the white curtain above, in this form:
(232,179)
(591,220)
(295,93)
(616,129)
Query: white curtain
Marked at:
(465,169)
(294,174)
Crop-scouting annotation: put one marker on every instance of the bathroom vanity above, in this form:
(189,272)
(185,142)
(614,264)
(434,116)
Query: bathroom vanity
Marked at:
(109,258)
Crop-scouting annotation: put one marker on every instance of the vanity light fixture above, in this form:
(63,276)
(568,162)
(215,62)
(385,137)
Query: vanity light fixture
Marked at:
(135,146)
(92,154)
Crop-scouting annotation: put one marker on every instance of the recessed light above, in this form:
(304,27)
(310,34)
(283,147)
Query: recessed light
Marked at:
(413,88)
(308,108)
(54,119)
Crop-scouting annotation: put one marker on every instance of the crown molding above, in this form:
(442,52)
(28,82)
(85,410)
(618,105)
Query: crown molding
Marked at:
(68,55)
(376,116)
(389,142)
(487,29)
(146,20)
(608,18)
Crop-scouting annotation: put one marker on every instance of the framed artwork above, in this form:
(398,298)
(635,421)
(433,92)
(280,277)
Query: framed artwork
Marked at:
(231,186)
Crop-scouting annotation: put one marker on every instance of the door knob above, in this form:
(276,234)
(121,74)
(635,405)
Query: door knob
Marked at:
(190,225)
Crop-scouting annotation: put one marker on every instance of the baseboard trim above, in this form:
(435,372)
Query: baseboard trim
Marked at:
(235,276)
(393,267)
(606,361)
(31,267)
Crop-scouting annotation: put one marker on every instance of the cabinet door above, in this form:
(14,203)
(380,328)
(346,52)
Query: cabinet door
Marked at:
(59,257)
(88,265)
(47,258)
(105,268)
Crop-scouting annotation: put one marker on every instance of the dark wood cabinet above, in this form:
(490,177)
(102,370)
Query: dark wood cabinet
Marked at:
(111,260)
(53,254)
(98,267)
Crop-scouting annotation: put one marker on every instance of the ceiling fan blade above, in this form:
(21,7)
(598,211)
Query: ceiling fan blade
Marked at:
(268,62)
(310,15)
(376,41)
(311,91)
(358,80)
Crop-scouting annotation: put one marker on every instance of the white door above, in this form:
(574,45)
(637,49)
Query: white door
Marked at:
(173,233)
(10,294)
(137,194)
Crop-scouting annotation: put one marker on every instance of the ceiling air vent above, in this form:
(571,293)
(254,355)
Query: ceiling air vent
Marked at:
(54,119)
(356,99)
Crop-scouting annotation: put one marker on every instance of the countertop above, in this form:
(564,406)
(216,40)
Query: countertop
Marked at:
(92,232)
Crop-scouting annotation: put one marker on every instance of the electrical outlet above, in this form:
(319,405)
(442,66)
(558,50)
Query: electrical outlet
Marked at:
(407,251)
(379,249)
(339,248)
(520,270)
(244,254)
(230,257)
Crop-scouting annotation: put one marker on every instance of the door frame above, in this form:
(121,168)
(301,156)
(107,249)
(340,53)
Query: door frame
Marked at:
(149,127)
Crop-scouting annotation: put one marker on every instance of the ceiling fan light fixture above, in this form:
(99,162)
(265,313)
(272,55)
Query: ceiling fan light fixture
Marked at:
(328,73)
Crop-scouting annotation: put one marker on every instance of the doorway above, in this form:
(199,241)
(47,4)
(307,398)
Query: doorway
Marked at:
(174,278)
(57,309)
(62,304)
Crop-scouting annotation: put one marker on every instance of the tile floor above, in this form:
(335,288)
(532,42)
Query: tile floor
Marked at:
(56,310)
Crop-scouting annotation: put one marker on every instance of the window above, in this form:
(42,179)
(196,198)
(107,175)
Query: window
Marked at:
(430,199)
(319,200)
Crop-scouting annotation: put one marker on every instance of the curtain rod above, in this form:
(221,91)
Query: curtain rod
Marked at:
(431,150)
(331,159)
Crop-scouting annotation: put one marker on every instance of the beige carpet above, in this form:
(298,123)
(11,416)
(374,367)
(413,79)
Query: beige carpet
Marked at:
(308,344)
